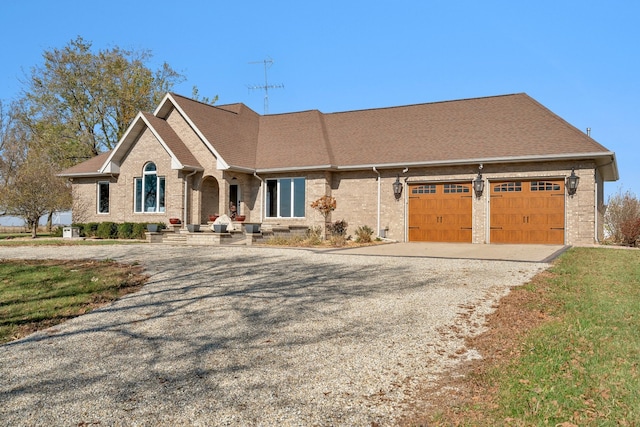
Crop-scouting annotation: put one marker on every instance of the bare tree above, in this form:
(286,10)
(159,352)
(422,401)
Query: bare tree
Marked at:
(35,191)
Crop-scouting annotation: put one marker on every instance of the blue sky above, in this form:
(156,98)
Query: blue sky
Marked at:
(581,59)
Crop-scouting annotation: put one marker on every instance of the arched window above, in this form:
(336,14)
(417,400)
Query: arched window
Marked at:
(149,190)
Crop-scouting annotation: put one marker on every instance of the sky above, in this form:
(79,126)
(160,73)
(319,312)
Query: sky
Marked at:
(580,59)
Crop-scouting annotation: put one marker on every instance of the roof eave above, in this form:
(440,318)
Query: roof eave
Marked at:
(607,162)
(84,175)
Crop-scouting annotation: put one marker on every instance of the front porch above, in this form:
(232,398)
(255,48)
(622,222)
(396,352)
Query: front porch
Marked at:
(239,234)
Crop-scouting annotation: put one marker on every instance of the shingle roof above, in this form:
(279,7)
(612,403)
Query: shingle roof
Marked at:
(482,128)
(232,130)
(88,167)
(506,127)
(173,141)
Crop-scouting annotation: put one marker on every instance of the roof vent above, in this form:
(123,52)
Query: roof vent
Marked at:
(589,132)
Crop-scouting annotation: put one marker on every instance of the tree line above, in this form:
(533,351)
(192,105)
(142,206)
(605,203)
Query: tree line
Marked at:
(75,105)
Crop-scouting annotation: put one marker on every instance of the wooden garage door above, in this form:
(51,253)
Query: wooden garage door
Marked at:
(527,212)
(440,212)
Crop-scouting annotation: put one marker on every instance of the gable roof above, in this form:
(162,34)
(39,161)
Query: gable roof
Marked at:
(506,128)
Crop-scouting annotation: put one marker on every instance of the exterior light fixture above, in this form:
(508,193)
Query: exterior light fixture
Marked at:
(397,188)
(572,182)
(478,185)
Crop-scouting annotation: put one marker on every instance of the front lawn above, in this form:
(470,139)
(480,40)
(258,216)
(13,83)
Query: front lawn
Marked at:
(38,294)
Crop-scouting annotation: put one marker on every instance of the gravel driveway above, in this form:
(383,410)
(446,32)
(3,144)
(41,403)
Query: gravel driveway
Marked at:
(252,336)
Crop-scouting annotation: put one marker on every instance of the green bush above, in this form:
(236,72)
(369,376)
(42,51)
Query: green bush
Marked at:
(56,232)
(139,228)
(91,229)
(107,230)
(125,230)
(363,234)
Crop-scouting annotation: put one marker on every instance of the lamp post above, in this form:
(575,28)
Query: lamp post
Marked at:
(572,182)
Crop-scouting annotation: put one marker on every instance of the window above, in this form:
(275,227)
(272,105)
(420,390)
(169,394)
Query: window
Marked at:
(103,197)
(544,186)
(285,198)
(455,188)
(424,189)
(508,187)
(149,191)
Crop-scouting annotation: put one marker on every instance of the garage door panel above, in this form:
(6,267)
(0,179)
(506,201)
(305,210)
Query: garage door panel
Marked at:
(440,212)
(527,212)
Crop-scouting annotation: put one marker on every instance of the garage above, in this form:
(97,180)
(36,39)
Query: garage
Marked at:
(527,212)
(440,212)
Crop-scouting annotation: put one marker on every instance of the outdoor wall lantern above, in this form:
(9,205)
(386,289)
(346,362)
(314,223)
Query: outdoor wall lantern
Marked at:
(478,185)
(572,182)
(397,188)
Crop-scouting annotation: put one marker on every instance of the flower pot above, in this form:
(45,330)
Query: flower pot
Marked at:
(152,228)
(252,228)
(240,218)
(212,218)
(220,228)
(174,221)
(193,228)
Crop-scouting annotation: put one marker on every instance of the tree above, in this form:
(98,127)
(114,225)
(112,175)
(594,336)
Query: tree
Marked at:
(13,148)
(35,190)
(80,103)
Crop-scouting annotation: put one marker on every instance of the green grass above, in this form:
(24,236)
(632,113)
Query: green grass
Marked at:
(22,239)
(38,294)
(582,367)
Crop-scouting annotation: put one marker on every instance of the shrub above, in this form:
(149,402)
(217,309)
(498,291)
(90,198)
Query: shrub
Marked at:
(623,211)
(338,240)
(630,230)
(91,229)
(138,230)
(338,228)
(363,234)
(125,230)
(314,235)
(107,230)
(56,232)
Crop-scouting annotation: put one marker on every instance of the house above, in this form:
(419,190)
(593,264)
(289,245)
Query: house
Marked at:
(484,170)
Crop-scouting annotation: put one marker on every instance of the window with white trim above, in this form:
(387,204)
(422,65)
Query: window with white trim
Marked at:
(285,198)
(149,191)
(103,197)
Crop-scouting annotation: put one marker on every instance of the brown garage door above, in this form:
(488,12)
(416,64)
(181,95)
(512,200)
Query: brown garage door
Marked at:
(440,212)
(527,212)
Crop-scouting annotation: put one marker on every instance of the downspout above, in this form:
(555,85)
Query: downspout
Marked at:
(595,206)
(186,199)
(378,227)
(260,193)
(405,205)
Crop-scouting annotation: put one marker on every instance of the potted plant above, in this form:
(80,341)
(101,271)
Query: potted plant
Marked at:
(220,228)
(152,228)
(213,217)
(240,218)
(174,221)
(193,228)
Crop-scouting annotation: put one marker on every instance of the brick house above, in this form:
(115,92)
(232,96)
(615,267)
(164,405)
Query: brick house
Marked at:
(190,160)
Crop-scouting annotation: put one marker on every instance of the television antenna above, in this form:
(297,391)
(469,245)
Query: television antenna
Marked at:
(268,62)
